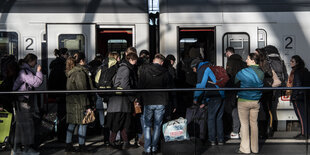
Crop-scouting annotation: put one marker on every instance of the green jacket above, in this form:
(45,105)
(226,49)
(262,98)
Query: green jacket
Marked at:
(77,79)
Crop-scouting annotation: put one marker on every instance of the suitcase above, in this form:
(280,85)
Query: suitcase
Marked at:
(5,125)
(197,121)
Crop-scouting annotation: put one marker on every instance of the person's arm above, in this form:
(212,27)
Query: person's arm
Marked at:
(33,80)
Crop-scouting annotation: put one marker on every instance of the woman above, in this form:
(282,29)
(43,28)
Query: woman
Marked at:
(120,107)
(27,80)
(77,104)
(265,116)
(297,96)
(57,81)
(248,106)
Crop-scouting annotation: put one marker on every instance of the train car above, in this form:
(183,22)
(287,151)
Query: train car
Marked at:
(211,26)
(89,26)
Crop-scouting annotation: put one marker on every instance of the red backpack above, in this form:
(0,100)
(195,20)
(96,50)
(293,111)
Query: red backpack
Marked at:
(220,75)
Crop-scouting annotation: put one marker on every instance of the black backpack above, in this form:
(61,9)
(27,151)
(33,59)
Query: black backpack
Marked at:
(277,64)
(104,77)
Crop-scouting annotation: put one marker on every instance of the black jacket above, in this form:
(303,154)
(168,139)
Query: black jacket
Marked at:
(299,80)
(57,78)
(154,76)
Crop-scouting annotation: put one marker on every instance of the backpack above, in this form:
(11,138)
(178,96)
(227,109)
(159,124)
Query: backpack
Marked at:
(277,65)
(220,75)
(104,77)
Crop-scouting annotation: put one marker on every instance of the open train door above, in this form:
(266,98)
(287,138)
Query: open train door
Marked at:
(74,37)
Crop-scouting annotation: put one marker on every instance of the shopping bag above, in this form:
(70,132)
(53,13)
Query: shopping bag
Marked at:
(175,130)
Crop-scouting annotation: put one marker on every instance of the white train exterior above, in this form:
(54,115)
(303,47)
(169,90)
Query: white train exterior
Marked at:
(245,25)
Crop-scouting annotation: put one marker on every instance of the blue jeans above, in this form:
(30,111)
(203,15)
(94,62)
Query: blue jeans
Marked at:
(99,108)
(215,121)
(150,141)
(142,125)
(81,133)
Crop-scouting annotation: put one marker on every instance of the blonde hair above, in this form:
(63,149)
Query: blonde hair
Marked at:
(70,63)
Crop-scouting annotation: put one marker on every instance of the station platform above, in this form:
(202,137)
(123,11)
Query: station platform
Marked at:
(281,144)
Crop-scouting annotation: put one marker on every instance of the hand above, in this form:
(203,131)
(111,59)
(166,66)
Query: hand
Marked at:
(174,110)
(202,105)
(1,109)
(88,110)
(195,102)
(39,68)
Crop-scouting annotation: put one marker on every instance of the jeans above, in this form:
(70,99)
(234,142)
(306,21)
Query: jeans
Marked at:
(99,108)
(235,119)
(81,133)
(142,125)
(215,121)
(150,141)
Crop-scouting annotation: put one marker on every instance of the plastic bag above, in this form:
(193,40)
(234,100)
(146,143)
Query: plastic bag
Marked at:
(175,130)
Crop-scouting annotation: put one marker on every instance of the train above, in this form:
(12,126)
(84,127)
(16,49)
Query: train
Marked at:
(95,26)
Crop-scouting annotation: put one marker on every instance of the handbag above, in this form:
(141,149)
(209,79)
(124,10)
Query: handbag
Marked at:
(137,108)
(89,117)
(276,81)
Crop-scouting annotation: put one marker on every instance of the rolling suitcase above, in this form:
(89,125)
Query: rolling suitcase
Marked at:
(5,125)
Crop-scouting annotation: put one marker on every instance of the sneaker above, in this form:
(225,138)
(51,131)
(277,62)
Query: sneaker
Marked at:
(234,135)
(220,143)
(211,143)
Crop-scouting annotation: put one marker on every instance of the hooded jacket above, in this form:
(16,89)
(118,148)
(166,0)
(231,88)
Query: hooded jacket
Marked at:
(125,78)
(78,79)
(154,76)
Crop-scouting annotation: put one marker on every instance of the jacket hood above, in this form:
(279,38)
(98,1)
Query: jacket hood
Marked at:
(156,70)
(77,68)
(26,66)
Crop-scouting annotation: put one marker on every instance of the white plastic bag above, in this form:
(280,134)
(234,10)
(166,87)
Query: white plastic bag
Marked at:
(175,130)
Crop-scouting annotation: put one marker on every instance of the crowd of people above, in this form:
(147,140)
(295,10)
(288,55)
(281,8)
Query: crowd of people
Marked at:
(140,116)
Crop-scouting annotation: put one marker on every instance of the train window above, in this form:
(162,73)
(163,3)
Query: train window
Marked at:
(261,38)
(8,44)
(73,42)
(117,45)
(239,41)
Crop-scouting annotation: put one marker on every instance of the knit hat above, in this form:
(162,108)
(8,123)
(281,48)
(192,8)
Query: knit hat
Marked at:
(195,62)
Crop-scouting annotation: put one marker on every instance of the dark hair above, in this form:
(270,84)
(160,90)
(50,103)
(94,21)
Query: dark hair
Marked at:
(63,51)
(262,59)
(132,56)
(270,49)
(170,57)
(29,58)
(79,56)
(160,56)
(146,52)
(131,50)
(299,62)
(255,57)
(56,52)
(230,49)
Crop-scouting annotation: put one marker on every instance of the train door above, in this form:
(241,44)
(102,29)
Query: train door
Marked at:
(74,37)
(197,42)
(114,39)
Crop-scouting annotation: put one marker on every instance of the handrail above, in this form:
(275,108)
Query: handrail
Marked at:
(150,90)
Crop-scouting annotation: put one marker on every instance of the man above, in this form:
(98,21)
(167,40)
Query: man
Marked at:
(233,66)
(154,76)
(207,79)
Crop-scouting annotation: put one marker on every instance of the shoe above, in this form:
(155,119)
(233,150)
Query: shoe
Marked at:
(234,135)
(69,148)
(125,146)
(300,137)
(220,143)
(240,152)
(155,152)
(83,148)
(211,143)
(146,153)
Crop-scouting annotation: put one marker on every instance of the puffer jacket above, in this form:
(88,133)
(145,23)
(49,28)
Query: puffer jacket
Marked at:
(77,79)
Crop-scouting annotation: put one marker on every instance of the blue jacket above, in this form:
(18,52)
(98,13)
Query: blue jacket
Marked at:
(204,74)
(251,77)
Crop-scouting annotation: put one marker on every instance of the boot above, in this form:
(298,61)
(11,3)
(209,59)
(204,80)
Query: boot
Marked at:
(82,148)
(69,148)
